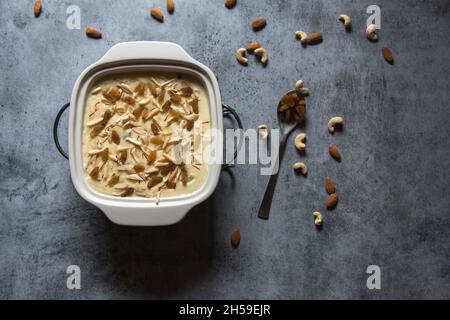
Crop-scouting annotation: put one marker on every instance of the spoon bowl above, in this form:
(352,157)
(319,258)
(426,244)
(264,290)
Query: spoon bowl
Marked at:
(287,123)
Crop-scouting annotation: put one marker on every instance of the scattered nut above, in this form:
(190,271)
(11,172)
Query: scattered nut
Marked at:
(345,19)
(240,56)
(335,121)
(300,142)
(318,219)
(387,55)
(262,53)
(315,38)
(332,201)
(230,4)
(235,237)
(37,8)
(170,6)
(157,14)
(259,24)
(329,186)
(127,192)
(263,131)
(302,36)
(300,166)
(94,33)
(335,153)
(371,32)
(253,46)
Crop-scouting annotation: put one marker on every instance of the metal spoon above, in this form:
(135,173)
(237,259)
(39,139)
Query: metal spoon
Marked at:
(286,129)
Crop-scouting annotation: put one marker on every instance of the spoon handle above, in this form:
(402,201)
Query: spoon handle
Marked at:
(264,209)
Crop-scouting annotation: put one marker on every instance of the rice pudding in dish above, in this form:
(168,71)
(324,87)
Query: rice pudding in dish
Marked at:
(146,135)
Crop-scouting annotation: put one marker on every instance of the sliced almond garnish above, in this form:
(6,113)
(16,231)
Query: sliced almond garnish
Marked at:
(151,114)
(125,88)
(186,91)
(145,101)
(170,185)
(133,141)
(96,151)
(127,192)
(139,131)
(175,98)
(139,168)
(158,140)
(154,181)
(113,180)
(126,168)
(167,169)
(96,131)
(121,186)
(152,87)
(129,100)
(192,117)
(134,177)
(175,140)
(94,173)
(113,158)
(151,156)
(140,88)
(170,158)
(155,128)
(115,137)
(94,122)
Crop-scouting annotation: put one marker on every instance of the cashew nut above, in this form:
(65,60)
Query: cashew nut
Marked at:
(302,36)
(299,84)
(300,141)
(262,53)
(318,219)
(371,33)
(345,19)
(263,131)
(301,167)
(240,56)
(333,122)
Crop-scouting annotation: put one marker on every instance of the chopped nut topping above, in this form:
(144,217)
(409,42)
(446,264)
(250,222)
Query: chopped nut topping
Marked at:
(135,130)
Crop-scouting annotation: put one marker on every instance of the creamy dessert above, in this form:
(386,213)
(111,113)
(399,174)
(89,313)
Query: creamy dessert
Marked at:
(145,135)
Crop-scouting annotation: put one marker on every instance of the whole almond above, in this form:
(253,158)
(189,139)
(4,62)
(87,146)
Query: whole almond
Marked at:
(329,186)
(387,54)
(334,153)
(315,37)
(157,14)
(253,46)
(170,6)
(37,8)
(259,23)
(235,237)
(332,201)
(230,4)
(94,33)
(115,137)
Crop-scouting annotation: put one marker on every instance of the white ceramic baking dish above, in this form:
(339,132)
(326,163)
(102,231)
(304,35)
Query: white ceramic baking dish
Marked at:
(142,56)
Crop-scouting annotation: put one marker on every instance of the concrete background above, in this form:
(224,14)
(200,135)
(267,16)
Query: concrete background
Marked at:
(393,181)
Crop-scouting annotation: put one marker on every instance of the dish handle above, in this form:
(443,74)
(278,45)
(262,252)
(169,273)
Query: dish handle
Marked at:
(55,130)
(229,111)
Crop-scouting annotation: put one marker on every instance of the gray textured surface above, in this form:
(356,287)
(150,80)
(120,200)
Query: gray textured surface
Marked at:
(393,181)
